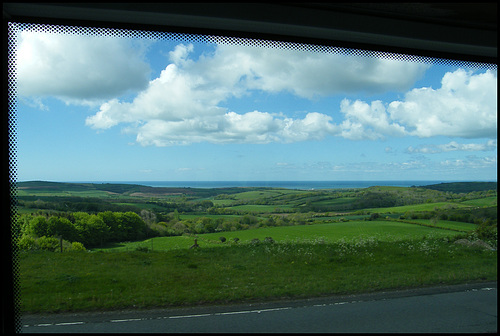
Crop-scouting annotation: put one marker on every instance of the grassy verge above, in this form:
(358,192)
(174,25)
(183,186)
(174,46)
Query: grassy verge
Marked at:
(52,282)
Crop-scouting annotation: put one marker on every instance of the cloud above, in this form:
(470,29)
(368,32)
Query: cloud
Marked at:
(79,68)
(465,106)
(471,162)
(363,121)
(490,145)
(252,127)
(310,74)
(185,104)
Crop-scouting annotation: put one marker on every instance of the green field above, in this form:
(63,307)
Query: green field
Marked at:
(255,208)
(290,243)
(452,225)
(55,282)
(420,207)
(51,192)
(482,202)
(329,232)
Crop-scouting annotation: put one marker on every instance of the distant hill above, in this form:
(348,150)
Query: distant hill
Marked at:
(122,189)
(462,187)
(141,190)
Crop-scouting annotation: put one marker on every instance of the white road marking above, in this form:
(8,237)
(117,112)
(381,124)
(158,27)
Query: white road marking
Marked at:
(127,320)
(235,313)
(212,314)
(187,316)
(69,323)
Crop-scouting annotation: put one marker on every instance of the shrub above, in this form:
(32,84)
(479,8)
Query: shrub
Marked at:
(268,240)
(255,241)
(236,239)
(77,246)
(222,239)
(27,243)
(488,233)
(48,243)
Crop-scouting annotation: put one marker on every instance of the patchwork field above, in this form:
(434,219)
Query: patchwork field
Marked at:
(129,246)
(329,232)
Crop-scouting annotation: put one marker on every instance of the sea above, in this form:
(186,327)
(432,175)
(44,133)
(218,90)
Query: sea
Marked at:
(302,185)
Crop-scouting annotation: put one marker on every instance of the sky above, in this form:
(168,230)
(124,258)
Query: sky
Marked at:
(104,108)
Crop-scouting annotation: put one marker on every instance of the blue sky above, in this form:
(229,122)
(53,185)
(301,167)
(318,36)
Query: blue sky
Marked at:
(96,108)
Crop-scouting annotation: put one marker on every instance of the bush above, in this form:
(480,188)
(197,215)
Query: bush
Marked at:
(48,243)
(77,246)
(488,233)
(27,243)
(268,240)
(255,241)
(222,239)
(142,249)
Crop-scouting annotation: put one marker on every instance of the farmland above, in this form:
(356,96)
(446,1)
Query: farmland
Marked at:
(253,243)
(327,233)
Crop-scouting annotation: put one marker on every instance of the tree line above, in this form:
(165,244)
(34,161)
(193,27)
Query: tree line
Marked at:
(95,230)
(88,229)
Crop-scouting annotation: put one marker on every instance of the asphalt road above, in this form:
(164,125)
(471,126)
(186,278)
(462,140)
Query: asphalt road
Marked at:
(461,308)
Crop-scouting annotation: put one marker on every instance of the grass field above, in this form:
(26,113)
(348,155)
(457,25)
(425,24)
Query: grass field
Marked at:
(327,256)
(55,282)
(328,232)
(420,207)
(50,192)
(482,202)
(259,208)
(459,226)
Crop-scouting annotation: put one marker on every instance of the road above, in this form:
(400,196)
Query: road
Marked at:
(461,308)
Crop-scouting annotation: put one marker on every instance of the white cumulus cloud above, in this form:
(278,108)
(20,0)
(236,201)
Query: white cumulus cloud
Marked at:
(251,127)
(367,121)
(309,74)
(185,103)
(465,106)
(78,68)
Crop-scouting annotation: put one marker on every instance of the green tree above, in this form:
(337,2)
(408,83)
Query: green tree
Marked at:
(22,226)
(133,225)
(91,228)
(179,228)
(38,226)
(60,226)
(114,223)
(176,216)
(148,217)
